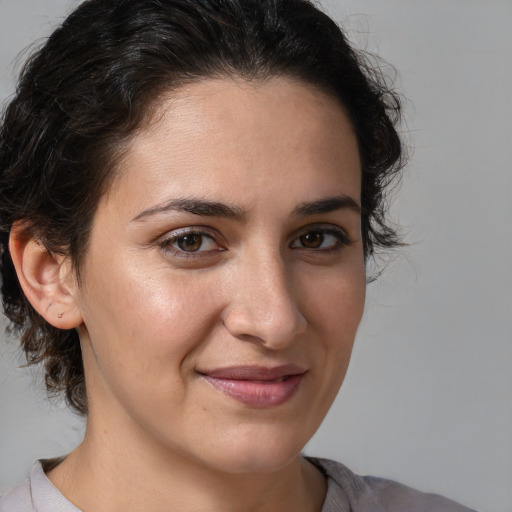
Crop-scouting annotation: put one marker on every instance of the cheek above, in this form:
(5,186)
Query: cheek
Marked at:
(144,323)
(339,314)
(335,299)
(336,305)
(143,335)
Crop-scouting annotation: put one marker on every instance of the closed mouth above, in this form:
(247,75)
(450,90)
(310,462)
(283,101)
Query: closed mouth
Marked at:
(256,386)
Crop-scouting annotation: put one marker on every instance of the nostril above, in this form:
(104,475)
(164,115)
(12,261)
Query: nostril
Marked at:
(274,329)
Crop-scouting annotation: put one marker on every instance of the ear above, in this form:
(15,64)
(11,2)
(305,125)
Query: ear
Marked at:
(46,279)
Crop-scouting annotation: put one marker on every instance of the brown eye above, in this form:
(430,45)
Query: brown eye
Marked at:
(312,240)
(184,243)
(190,243)
(321,240)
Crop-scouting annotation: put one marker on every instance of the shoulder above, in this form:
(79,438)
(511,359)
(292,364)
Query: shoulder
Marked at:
(368,493)
(18,499)
(36,494)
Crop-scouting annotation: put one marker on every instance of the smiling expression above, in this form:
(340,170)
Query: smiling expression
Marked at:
(224,280)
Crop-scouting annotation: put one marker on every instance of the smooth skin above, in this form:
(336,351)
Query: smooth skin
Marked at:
(231,237)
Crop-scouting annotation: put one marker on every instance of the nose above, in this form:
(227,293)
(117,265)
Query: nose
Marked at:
(264,306)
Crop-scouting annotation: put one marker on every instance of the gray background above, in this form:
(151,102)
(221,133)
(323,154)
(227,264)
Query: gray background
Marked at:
(428,397)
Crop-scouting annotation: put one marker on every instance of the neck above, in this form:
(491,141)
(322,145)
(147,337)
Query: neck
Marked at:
(106,474)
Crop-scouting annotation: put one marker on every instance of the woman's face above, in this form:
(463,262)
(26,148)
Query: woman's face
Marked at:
(225,281)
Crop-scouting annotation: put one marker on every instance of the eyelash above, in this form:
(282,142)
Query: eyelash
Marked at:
(173,238)
(342,239)
(167,243)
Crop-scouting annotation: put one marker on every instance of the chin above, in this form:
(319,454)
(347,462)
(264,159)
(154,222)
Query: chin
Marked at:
(253,463)
(256,453)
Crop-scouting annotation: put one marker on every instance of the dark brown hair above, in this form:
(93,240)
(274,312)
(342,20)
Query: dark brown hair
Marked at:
(85,92)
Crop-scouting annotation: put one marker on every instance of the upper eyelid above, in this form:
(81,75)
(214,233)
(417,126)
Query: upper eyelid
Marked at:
(325,227)
(190,230)
(167,241)
(220,239)
(332,229)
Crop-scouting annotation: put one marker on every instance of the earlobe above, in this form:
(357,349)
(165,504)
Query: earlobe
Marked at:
(45,279)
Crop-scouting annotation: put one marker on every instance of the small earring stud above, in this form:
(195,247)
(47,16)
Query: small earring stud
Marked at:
(60,315)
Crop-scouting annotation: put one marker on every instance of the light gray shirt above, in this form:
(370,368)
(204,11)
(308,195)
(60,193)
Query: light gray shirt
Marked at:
(346,492)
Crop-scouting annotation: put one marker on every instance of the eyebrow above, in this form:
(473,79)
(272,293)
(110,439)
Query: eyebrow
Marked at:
(207,208)
(326,205)
(197,207)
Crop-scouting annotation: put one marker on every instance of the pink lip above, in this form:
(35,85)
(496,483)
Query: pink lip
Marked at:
(257,386)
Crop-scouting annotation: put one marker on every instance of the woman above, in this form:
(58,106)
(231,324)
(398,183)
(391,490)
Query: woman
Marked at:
(190,192)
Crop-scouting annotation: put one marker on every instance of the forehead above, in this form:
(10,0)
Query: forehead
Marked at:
(231,136)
